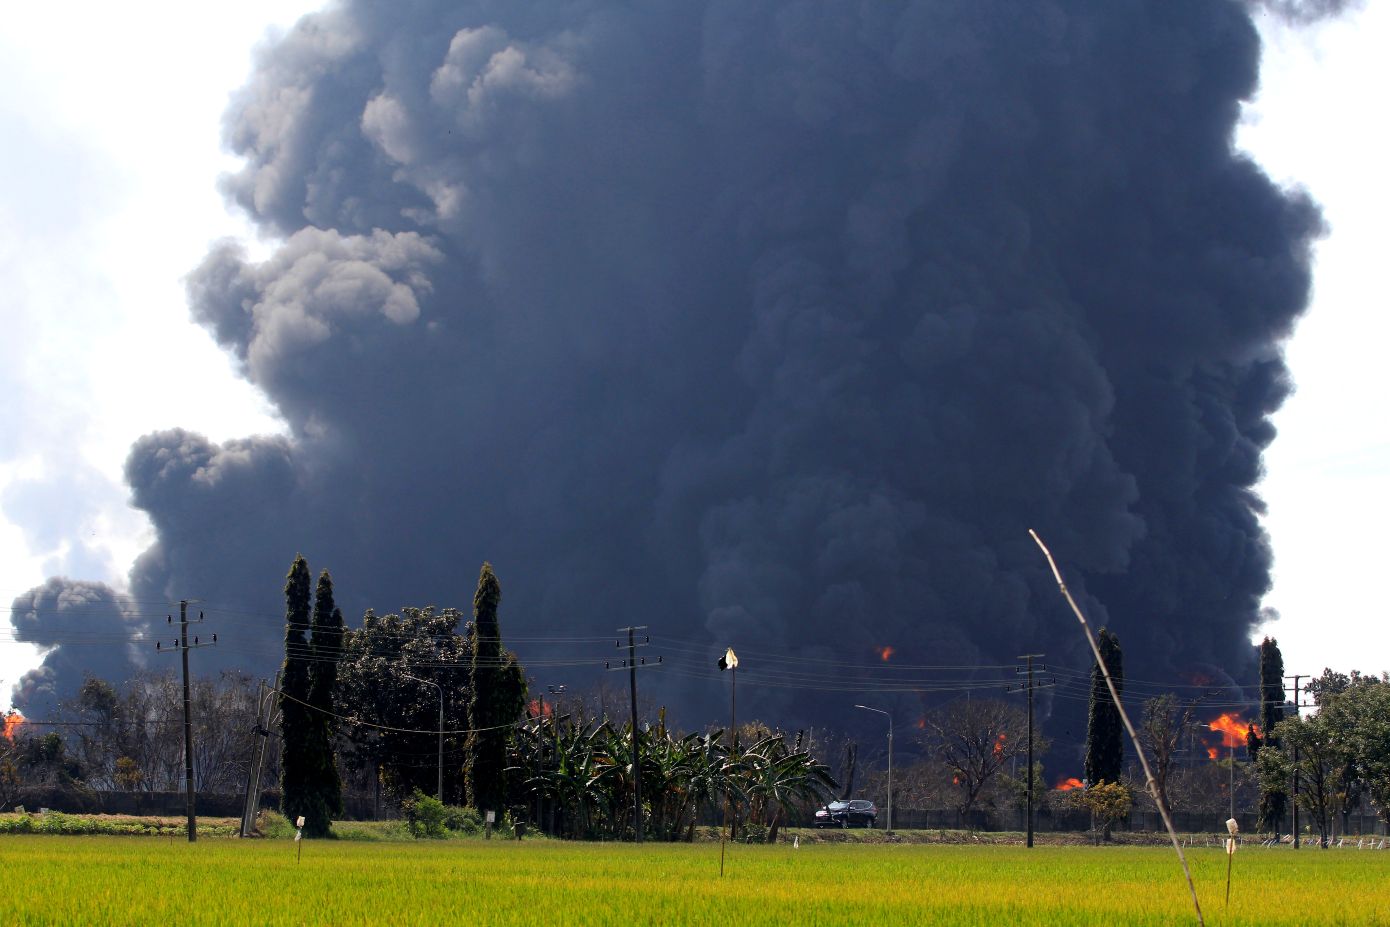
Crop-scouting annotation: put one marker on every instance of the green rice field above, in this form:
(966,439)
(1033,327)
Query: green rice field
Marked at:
(116,880)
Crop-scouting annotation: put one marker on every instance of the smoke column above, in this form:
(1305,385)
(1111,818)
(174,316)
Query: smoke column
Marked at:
(767,324)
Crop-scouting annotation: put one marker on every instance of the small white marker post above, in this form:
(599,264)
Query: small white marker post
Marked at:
(1232,828)
(299,838)
(491,819)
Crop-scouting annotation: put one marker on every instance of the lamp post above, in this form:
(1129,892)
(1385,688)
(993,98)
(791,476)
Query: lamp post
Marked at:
(729,662)
(427,682)
(1231,779)
(890,760)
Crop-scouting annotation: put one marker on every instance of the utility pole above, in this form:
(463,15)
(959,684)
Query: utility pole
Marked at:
(1231,779)
(183,646)
(631,664)
(1028,687)
(556,691)
(265,721)
(636,760)
(248,810)
(1296,714)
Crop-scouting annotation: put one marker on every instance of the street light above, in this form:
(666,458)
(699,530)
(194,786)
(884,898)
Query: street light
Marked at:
(890,760)
(427,682)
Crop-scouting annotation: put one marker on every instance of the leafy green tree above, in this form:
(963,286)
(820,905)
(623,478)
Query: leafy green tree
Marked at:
(498,699)
(387,706)
(1322,761)
(1107,801)
(128,775)
(1358,715)
(1016,788)
(9,775)
(44,760)
(1104,735)
(298,792)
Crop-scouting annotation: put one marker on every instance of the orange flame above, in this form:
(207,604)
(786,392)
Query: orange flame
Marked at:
(538,708)
(1212,753)
(1232,729)
(1066,785)
(884,653)
(999,744)
(922,723)
(955,780)
(13,720)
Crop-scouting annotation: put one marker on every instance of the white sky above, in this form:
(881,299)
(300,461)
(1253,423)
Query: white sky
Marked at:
(111,155)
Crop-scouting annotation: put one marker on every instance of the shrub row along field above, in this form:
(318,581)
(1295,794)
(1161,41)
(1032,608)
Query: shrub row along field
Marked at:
(110,880)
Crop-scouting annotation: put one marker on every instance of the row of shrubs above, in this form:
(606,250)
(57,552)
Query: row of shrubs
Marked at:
(56,822)
(425,818)
(428,817)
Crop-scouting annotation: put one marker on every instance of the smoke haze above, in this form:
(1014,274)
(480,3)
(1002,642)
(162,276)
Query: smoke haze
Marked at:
(767,324)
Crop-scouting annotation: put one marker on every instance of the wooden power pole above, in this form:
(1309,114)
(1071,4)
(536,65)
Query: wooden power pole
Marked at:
(183,645)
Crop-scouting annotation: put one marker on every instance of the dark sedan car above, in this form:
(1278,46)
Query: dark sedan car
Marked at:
(858,812)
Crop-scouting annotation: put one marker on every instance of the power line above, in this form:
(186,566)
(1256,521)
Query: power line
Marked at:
(399,730)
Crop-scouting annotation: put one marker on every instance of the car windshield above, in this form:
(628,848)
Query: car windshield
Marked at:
(860,805)
(837,805)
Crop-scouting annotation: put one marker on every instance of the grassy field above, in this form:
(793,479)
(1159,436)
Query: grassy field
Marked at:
(114,880)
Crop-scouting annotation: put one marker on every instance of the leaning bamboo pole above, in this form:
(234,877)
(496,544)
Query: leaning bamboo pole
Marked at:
(1150,783)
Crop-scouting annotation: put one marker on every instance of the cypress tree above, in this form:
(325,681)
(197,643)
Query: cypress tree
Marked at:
(1271,685)
(1273,799)
(498,696)
(326,649)
(296,721)
(1104,734)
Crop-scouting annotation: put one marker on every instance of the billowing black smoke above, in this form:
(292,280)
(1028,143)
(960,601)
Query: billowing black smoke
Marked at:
(768,324)
(86,628)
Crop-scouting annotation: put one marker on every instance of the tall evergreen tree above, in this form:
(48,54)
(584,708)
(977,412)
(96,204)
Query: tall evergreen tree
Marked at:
(1271,685)
(296,718)
(326,650)
(1274,800)
(498,697)
(1104,735)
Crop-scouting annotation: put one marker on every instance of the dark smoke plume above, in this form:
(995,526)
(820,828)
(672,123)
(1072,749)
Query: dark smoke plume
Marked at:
(770,324)
(88,630)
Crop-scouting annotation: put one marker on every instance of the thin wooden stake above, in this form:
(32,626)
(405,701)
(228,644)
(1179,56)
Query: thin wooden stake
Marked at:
(1149,780)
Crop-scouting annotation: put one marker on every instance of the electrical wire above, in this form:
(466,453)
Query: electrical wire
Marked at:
(399,730)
